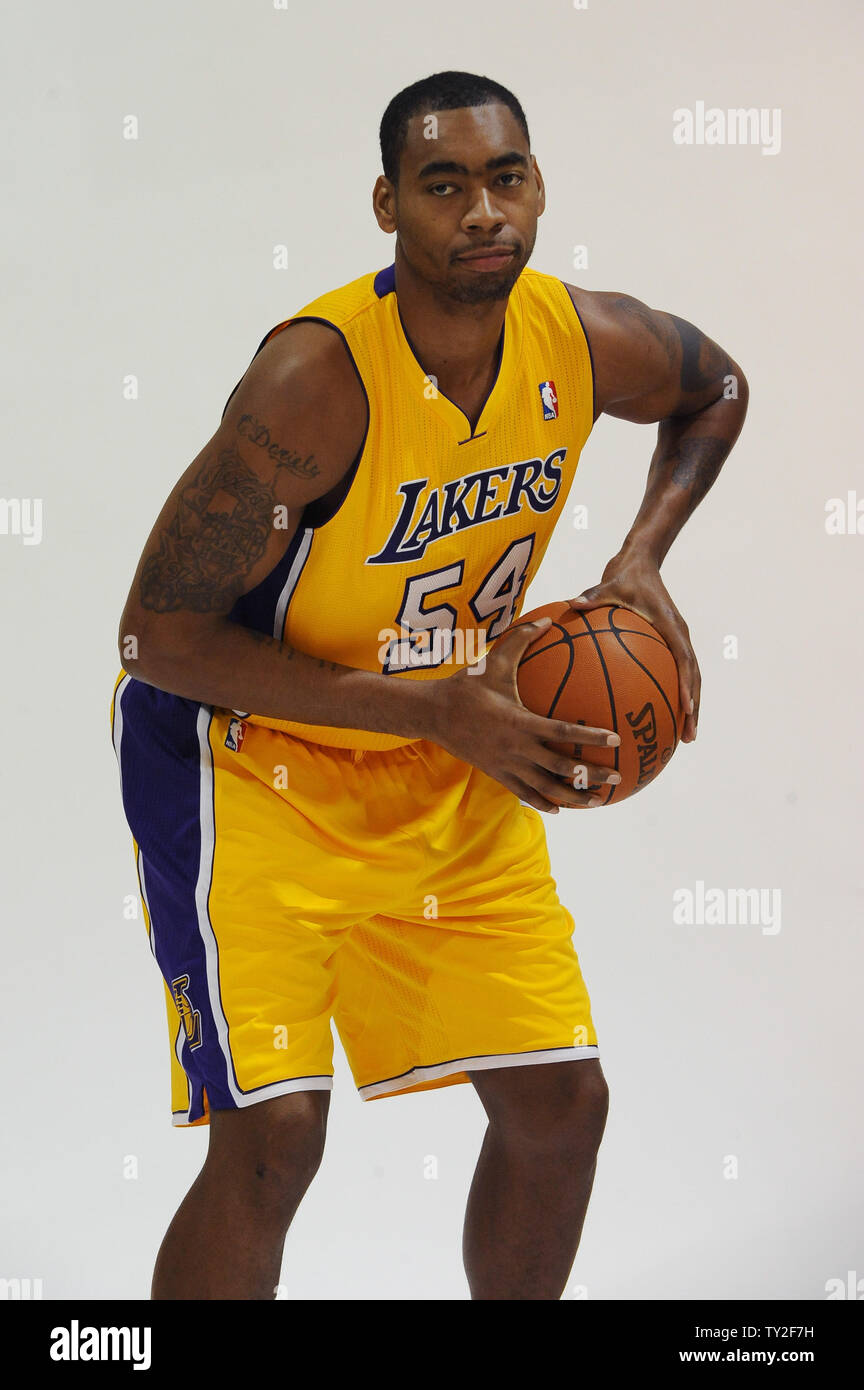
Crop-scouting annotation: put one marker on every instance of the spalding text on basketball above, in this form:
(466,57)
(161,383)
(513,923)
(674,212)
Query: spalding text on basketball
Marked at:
(644,726)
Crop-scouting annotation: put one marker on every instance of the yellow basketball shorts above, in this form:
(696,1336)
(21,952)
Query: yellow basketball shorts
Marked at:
(402,893)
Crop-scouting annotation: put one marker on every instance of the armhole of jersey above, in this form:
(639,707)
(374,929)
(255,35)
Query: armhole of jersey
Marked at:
(264,340)
(590,354)
(322,509)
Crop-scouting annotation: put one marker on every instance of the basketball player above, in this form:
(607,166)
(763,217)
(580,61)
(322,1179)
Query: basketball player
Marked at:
(333,814)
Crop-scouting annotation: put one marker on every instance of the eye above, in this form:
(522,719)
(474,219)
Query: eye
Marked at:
(434,187)
(513,176)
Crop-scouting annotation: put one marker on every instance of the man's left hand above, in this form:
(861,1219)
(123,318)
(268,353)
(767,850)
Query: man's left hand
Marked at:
(635,583)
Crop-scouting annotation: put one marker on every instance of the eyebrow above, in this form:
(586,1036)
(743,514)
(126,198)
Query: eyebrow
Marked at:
(447,166)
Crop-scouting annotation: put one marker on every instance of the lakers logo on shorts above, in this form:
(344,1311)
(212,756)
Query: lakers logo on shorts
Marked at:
(191,1017)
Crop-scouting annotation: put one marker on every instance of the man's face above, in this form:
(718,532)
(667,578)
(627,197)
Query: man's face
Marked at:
(467,184)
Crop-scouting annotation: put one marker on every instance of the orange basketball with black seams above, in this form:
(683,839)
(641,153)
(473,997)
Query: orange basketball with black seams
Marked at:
(609,668)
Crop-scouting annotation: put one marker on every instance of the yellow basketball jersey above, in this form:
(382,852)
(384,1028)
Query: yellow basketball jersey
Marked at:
(423,554)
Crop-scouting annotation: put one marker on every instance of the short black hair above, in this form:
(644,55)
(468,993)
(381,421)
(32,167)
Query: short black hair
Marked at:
(443,91)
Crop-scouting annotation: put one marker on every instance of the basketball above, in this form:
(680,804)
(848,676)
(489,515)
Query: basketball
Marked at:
(609,668)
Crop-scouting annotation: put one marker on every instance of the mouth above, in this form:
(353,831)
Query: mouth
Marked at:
(487,258)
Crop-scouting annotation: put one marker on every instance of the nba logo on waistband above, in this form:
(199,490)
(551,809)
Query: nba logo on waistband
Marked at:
(235,735)
(549,398)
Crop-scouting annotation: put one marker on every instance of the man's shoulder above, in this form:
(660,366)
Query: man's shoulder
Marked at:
(312,345)
(594,303)
(350,301)
(596,307)
(613,311)
(531,280)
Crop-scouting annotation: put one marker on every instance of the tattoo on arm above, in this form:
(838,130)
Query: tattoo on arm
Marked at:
(219,531)
(653,322)
(703,364)
(287,651)
(264,639)
(258,433)
(698,464)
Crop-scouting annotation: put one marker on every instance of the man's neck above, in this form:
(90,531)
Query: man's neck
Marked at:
(455,343)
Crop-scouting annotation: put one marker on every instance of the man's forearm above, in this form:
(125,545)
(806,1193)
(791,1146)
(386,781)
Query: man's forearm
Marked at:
(234,667)
(690,452)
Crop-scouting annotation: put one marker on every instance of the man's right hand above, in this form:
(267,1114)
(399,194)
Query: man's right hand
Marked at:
(479,717)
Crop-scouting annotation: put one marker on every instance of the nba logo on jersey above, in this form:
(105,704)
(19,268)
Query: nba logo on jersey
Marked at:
(235,735)
(549,399)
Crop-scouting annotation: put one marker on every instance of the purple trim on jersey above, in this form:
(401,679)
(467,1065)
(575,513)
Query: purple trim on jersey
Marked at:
(385,281)
(257,609)
(161,772)
(590,356)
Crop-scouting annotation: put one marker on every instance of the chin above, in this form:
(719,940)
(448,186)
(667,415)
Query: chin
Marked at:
(483,289)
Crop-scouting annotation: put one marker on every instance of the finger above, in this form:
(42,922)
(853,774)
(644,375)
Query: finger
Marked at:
(687,691)
(588,799)
(693,717)
(688,704)
(514,641)
(578,774)
(589,597)
(556,790)
(688,671)
(525,631)
(557,731)
(593,775)
(526,793)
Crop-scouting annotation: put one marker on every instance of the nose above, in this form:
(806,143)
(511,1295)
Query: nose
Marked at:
(483,214)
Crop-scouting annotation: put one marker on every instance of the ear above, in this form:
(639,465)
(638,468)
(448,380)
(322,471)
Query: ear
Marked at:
(384,204)
(541,194)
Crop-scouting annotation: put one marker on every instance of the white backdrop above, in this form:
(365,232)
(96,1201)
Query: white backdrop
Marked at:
(727,1048)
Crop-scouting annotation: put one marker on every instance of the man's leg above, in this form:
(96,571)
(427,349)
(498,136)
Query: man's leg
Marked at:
(227,1236)
(533,1179)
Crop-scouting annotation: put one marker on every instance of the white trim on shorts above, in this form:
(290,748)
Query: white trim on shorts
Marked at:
(277,1088)
(504,1059)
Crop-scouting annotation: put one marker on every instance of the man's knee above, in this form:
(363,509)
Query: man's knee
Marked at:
(593,1104)
(561,1105)
(271,1150)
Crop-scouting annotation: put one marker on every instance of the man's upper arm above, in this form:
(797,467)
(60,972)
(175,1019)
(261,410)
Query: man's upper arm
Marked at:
(291,430)
(648,364)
